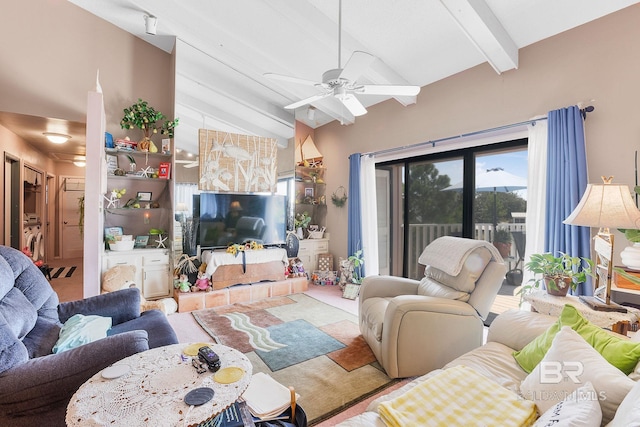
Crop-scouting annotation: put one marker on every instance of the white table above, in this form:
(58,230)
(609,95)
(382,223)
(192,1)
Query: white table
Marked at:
(152,392)
(544,303)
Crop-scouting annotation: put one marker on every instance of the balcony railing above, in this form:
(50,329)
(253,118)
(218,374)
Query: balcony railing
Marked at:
(420,235)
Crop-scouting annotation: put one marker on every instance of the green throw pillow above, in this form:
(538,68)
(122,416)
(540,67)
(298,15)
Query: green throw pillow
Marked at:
(621,353)
(80,330)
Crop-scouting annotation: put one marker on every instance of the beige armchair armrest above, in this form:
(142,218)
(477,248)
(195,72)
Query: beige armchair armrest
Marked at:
(414,324)
(386,287)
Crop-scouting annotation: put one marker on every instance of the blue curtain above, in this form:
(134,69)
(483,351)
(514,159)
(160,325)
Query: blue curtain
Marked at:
(354,222)
(566,182)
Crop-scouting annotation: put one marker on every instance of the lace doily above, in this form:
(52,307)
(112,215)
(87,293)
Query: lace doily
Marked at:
(152,392)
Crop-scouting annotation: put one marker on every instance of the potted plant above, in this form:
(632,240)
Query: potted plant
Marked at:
(557,273)
(351,275)
(301,221)
(502,241)
(142,116)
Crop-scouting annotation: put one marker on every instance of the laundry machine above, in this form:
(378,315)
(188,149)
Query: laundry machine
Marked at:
(33,236)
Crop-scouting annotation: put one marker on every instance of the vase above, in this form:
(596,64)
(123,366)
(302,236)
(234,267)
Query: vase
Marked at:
(503,248)
(299,233)
(557,290)
(630,256)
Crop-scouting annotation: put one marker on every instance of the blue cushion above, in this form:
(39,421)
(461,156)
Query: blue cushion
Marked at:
(80,330)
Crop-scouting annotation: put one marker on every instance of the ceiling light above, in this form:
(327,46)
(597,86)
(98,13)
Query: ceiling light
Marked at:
(150,24)
(80,163)
(311,113)
(57,138)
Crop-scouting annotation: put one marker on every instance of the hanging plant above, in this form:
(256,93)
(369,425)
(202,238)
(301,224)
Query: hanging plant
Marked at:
(81,215)
(339,200)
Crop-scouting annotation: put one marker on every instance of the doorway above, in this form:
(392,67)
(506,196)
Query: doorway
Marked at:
(12,203)
(71,236)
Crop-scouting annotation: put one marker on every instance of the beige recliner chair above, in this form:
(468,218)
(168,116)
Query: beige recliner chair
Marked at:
(414,327)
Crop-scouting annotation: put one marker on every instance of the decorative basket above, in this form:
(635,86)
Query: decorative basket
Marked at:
(317,234)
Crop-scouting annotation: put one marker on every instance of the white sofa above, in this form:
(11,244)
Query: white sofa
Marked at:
(512,331)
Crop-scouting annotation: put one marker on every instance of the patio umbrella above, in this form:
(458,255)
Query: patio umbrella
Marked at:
(494,180)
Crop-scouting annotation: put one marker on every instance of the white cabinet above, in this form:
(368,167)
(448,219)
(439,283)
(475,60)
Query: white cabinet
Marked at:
(152,269)
(155,274)
(309,251)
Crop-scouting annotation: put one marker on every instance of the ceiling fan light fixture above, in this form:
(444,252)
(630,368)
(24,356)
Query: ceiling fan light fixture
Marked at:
(57,138)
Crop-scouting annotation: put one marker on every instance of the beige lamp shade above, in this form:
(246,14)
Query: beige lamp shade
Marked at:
(604,206)
(307,150)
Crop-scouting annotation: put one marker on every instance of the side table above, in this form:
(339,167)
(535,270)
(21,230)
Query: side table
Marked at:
(152,391)
(552,305)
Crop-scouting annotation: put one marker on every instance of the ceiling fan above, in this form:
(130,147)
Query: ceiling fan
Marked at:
(188,164)
(341,83)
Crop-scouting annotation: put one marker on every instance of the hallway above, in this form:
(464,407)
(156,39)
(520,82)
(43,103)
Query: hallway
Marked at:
(68,288)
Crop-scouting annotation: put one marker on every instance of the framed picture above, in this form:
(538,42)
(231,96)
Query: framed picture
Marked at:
(110,233)
(144,196)
(112,163)
(141,241)
(308,192)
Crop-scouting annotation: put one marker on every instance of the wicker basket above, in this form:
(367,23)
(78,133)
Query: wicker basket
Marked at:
(318,234)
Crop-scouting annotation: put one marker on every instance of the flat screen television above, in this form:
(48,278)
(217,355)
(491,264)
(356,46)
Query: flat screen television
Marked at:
(241,218)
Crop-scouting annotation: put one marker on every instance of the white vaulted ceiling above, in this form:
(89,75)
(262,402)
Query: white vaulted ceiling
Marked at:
(224,48)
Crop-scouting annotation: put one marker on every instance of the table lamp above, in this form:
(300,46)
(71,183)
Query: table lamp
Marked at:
(605,206)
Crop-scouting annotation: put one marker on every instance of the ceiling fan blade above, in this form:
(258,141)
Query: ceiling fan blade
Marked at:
(335,109)
(306,101)
(391,90)
(351,102)
(290,79)
(357,65)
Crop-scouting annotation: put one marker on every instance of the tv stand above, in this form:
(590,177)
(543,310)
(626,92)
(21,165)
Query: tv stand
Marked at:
(250,266)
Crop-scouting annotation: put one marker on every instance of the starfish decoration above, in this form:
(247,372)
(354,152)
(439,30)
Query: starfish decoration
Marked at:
(112,201)
(160,241)
(147,172)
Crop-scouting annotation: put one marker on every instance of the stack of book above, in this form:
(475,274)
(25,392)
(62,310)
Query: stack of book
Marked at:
(266,397)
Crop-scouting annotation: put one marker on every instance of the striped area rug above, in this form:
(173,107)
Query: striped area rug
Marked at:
(62,271)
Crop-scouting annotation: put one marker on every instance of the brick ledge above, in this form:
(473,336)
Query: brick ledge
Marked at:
(191,301)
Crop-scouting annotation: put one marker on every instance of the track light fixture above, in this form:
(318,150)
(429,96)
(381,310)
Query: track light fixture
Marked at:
(311,113)
(150,24)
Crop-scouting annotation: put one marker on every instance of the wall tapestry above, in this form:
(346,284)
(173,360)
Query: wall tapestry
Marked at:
(237,163)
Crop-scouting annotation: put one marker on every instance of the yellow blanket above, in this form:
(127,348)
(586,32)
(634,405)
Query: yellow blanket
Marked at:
(458,396)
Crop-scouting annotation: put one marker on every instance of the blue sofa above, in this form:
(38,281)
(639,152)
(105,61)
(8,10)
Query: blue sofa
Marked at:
(35,384)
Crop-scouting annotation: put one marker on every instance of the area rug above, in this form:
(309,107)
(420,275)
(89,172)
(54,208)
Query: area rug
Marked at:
(62,271)
(304,343)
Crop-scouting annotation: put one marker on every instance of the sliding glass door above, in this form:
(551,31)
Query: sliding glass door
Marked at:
(433,208)
(478,193)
